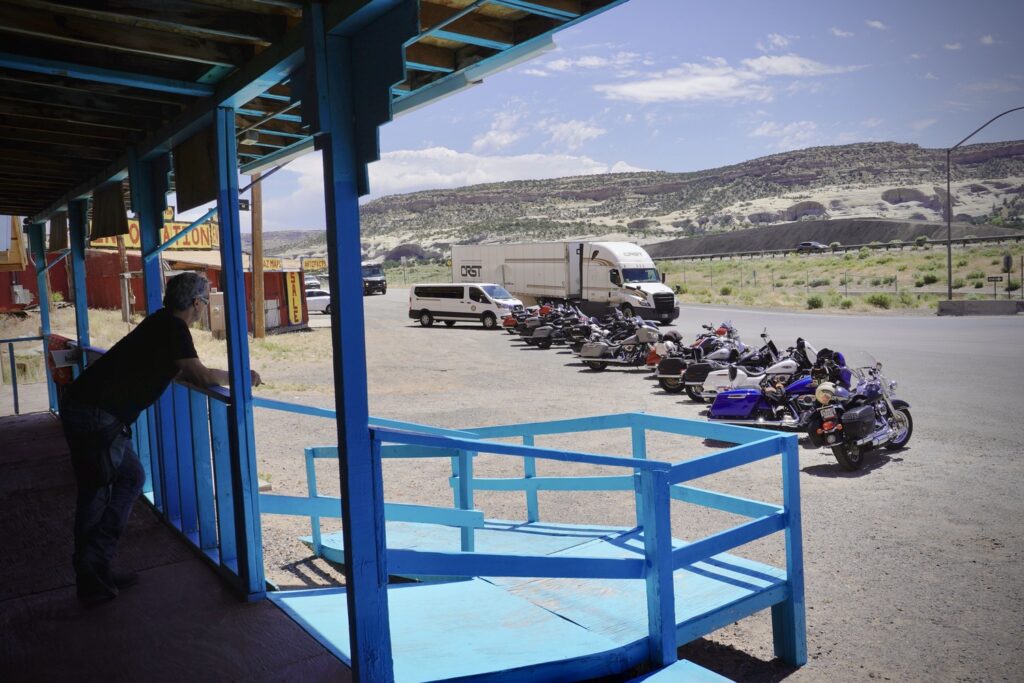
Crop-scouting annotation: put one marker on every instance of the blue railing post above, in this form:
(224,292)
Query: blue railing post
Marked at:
(661,607)
(77,225)
(240,420)
(224,486)
(314,519)
(186,468)
(205,507)
(530,472)
(35,237)
(466,496)
(789,625)
(638,435)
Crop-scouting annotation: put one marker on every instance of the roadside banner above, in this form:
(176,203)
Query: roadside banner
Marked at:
(293,287)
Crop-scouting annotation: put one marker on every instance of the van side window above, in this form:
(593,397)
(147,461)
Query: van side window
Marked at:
(613,275)
(439,292)
(477,295)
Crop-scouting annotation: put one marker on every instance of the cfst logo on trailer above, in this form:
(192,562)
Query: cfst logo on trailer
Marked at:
(470,272)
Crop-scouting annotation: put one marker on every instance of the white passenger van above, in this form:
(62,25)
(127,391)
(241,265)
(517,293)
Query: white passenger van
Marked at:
(477,302)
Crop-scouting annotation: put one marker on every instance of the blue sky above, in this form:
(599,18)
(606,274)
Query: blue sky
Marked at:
(687,85)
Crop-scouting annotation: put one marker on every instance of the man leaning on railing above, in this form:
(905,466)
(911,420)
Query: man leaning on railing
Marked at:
(98,407)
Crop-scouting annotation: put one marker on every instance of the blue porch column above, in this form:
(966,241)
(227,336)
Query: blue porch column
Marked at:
(77,228)
(349,71)
(149,187)
(241,437)
(35,239)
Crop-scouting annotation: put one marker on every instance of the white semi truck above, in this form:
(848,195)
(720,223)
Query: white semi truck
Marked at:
(595,275)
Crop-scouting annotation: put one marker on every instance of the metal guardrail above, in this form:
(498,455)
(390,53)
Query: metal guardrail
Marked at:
(14,367)
(962,241)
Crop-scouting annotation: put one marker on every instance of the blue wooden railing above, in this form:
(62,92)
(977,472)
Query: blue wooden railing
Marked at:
(14,368)
(655,483)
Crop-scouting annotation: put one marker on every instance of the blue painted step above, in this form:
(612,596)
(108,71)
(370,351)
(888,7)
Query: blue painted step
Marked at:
(683,671)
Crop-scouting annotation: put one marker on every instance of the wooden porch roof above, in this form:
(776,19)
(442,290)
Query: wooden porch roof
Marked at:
(82,82)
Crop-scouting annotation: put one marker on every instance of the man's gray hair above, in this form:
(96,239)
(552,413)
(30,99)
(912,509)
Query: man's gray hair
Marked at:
(185,288)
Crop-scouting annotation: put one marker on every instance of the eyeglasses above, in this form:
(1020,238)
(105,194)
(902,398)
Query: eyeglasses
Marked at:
(203,299)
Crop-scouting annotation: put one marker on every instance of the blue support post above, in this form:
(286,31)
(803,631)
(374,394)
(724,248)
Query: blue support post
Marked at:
(638,434)
(661,606)
(220,447)
(789,621)
(466,497)
(203,472)
(77,226)
(530,472)
(186,468)
(149,199)
(314,520)
(344,105)
(240,420)
(35,238)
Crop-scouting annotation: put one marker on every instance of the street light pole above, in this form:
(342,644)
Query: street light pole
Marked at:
(949,202)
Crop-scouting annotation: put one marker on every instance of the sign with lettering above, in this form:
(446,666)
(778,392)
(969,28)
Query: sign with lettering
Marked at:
(272,264)
(995,278)
(293,290)
(314,264)
(204,236)
(470,271)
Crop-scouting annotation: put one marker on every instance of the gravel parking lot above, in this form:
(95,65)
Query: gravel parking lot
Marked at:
(913,565)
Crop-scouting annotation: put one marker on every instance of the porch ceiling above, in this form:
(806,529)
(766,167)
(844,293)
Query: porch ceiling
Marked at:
(82,82)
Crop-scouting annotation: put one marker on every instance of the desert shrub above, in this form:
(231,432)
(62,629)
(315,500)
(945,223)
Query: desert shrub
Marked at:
(880,300)
(997,262)
(921,240)
(814,301)
(875,245)
(845,304)
(902,267)
(930,279)
(958,283)
(876,281)
(882,260)
(863,253)
(978,284)
(906,300)
(834,246)
(888,279)
(896,243)
(976,275)
(56,297)
(820,282)
(848,256)
(725,291)
(1012,286)
(798,282)
(961,262)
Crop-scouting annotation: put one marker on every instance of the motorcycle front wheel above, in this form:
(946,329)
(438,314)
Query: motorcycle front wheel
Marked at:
(694,394)
(596,365)
(903,425)
(851,458)
(544,343)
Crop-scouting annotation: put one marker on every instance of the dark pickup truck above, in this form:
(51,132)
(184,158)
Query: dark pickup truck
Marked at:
(374,280)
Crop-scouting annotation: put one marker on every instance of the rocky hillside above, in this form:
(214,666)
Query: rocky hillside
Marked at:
(890,181)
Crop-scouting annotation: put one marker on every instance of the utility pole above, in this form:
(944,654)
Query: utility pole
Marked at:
(259,321)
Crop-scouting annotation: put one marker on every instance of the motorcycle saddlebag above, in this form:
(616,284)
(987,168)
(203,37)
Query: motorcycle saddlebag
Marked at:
(734,404)
(859,422)
(697,372)
(671,366)
(594,350)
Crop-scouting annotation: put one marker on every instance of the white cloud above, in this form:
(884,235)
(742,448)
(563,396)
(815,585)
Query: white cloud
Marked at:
(872,122)
(994,85)
(619,60)
(914,55)
(952,46)
(789,136)
(930,77)
(571,134)
(504,131)
(921,124)
(840,33)
(717,80)
(774,41)
(875,24)
(987,40)
(536,72)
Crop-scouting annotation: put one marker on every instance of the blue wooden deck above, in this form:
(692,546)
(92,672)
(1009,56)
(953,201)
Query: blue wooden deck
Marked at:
(541,628)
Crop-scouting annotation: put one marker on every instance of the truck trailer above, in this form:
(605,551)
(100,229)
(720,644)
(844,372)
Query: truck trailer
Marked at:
(594,275)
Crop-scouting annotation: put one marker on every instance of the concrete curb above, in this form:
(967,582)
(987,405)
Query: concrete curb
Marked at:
(981,307)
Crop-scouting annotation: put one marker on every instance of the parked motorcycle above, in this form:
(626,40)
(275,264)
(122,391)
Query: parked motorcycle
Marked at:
(631,351)
(852,422)
(714,344)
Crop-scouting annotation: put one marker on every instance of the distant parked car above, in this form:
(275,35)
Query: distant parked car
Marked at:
(311,282)
(810,247)
(318,300)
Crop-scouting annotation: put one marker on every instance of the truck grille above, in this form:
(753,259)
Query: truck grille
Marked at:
(664,301)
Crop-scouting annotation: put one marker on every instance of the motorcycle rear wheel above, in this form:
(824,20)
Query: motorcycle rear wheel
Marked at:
(671,385)
(596,365)
(904,427)
(850,458)
(694,394)
(544,343)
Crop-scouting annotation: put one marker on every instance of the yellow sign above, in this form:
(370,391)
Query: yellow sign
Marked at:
(205,236)
(293,288)
(272,264)
(314,264)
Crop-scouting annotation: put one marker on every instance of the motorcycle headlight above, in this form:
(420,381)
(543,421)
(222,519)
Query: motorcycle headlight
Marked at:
(892,386)
(825,392)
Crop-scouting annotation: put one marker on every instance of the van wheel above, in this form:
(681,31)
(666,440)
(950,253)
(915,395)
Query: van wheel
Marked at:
(449,323)
(426,319)
(327,309)
(384,289)
(489,321)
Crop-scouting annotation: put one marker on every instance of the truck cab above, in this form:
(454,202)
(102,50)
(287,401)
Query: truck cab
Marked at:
(621,275)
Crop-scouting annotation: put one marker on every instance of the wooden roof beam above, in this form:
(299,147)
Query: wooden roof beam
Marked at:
(465,26)
(122,122)
(425,57)
(76,30)
(562,10)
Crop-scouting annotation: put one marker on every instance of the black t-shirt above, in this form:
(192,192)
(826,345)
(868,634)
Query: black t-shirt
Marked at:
(132,375)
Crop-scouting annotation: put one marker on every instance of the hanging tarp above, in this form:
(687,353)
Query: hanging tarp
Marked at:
(195,171)
(109,215)
(59,231)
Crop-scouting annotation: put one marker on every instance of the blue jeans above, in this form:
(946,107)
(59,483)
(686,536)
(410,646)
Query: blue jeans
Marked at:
(109,477)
